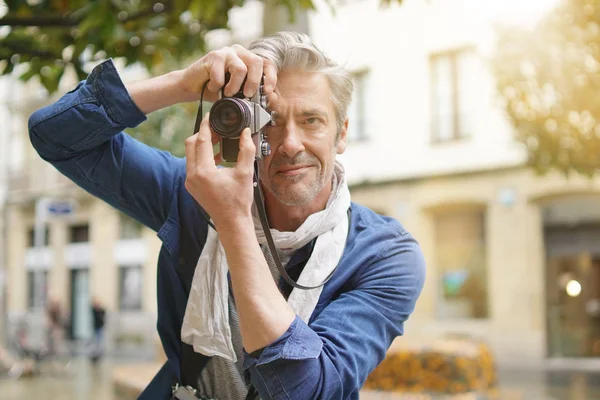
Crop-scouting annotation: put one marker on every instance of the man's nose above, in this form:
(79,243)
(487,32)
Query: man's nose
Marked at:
(292,141)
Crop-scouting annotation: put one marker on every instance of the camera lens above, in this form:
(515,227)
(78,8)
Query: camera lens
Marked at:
(229,116)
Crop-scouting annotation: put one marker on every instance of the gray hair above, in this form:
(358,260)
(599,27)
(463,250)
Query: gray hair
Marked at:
(290,50)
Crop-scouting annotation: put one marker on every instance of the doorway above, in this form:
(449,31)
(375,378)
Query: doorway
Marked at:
(573,290)
(81,314)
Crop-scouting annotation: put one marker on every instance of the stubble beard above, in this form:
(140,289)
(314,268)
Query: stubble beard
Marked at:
(289,190)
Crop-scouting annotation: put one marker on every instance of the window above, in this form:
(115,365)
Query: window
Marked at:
(357,111)
(129,228)
(461,261)
(79,233)
(42,284)
(130,287)
(31,237)
(452,94)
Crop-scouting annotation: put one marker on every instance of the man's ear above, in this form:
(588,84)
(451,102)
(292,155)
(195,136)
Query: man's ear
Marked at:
(340,145)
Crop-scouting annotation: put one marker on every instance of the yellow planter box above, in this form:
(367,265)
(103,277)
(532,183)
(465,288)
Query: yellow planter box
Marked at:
(445,366)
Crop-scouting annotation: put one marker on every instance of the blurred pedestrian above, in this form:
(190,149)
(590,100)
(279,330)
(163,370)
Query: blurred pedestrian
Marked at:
(98,316)
(55,324)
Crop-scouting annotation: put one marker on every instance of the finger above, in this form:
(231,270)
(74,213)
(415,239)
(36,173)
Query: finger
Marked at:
(203,146)
(270,72)
(236,67)
(210,96)
(217,71)
(272,98)
(254,64)
(190,154)
(253,77)
(216,139)
(245,160)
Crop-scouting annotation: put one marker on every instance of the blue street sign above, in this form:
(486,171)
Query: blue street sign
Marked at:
(60,208)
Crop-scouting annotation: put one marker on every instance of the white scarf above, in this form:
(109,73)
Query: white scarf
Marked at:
(206,320)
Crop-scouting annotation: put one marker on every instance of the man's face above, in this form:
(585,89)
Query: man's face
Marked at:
(303,140)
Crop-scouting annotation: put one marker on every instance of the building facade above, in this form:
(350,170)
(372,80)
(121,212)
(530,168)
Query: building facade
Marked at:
(86,250)
(513,258)
(4,155)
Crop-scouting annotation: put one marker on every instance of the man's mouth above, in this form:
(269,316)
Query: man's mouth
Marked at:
(289,170)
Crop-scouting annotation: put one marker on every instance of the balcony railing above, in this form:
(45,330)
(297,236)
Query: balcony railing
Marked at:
(29,182)
(18,181)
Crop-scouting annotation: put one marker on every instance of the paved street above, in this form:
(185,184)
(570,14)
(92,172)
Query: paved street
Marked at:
(86,383)
(540,385)
(94,383)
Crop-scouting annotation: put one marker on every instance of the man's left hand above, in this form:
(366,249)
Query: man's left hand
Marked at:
(225,193)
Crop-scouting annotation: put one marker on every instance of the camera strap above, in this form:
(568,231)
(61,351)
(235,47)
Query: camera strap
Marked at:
(260,205)
(191,363)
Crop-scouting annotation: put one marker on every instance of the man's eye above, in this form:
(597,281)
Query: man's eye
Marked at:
(312,121)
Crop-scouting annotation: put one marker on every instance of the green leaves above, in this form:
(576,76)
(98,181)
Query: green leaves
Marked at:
(550,83)
(168,128)
(50,76)
(51,35)
(138,31)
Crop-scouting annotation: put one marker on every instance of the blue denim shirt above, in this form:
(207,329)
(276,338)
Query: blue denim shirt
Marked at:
(361,309)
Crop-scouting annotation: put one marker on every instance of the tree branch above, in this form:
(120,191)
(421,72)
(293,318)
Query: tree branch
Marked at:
(18,49)
(148,11)
(66,21)
(38,21)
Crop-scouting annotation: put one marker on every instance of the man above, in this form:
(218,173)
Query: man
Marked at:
(56,327)
(98,314)
(265,337)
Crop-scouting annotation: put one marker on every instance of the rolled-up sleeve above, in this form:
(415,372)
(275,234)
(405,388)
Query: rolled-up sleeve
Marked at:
(89,115)
(299,342)
(331,358)
(82,136)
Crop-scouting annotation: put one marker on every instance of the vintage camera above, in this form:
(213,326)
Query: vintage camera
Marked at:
(186,393)
(229,116)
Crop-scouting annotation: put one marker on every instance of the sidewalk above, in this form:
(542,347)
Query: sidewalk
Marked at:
(97,382)
(130,381)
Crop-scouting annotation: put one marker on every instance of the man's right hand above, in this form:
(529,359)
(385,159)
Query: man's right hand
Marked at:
(239,62)
(186,85)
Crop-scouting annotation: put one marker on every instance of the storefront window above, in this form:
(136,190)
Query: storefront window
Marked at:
(37,282)
(130,288)
(461,261)
(79,233)
(129,228)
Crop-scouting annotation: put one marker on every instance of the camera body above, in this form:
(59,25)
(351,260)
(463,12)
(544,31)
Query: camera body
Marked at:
(186,393)
(229,116)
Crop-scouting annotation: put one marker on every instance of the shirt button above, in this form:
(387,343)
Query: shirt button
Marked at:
(181,261)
